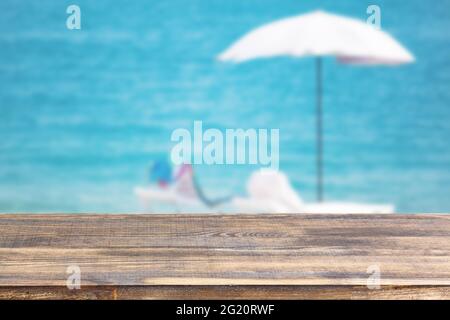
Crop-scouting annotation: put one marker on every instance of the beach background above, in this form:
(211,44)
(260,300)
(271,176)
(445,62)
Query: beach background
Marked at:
(84,113)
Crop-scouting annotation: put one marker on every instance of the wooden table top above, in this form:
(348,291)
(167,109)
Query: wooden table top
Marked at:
(225,256)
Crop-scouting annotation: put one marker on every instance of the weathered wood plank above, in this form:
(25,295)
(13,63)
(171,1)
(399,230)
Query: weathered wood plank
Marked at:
(225,292)
(274,251)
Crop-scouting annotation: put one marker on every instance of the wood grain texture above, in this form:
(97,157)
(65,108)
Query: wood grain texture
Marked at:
(250,256)
(225,292)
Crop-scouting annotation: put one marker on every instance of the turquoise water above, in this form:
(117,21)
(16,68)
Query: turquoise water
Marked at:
(83,113)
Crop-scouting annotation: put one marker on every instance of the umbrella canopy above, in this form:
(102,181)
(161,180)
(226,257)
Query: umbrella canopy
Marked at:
(319,34)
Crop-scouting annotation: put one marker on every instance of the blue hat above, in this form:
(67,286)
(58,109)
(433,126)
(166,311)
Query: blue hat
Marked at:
(161,171)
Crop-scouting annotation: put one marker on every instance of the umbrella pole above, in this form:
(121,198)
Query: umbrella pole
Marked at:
(319,144)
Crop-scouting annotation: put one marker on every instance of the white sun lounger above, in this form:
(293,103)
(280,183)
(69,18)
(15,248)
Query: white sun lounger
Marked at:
(270,192)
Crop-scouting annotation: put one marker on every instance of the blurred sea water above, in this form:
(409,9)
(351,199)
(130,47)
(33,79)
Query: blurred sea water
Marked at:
(83,113)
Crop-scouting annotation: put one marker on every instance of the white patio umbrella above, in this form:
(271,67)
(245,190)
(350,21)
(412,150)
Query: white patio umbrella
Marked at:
(319,34)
